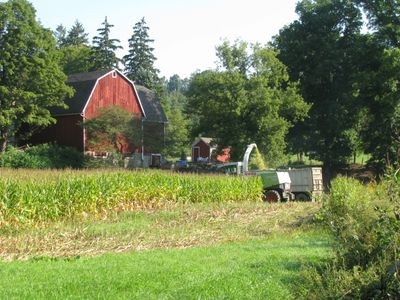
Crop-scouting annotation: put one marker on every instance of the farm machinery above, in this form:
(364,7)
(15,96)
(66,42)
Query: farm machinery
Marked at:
(285,184)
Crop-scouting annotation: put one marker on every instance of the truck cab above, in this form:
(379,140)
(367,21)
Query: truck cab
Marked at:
(276,185)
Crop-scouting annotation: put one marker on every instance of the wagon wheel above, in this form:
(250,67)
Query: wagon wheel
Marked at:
(302,197)
(271,196)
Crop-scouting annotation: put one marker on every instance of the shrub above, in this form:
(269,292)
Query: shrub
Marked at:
(14,158)
(44,156)
(365,223)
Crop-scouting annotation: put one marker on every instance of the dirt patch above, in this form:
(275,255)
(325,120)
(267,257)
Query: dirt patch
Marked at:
(362,173)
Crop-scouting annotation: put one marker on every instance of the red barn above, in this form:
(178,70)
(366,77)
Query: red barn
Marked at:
(205,149)
(102,89)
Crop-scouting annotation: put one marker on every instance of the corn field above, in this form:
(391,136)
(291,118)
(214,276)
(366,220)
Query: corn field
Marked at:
(30,196)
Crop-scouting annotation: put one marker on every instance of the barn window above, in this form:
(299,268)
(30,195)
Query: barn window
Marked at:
(114,74)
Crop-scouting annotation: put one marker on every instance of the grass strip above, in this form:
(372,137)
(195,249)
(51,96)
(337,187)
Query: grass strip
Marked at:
(257,269)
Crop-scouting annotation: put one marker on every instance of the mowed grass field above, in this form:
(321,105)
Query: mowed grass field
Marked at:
(163,249)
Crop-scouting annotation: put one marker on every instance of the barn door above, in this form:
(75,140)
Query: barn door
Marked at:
(156,160)
(196,153)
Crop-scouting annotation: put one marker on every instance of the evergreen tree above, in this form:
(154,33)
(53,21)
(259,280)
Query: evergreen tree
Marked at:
(60,35)
(104,47)
(76,35)
(139,62)
(31,80)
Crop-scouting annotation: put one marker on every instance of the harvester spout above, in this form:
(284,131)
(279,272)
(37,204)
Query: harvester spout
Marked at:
(247,157)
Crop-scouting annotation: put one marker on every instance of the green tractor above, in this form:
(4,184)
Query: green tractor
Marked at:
(276,184)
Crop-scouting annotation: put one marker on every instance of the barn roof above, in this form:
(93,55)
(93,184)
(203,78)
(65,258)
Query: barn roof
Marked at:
(209,141)
(151,105)
(84,83)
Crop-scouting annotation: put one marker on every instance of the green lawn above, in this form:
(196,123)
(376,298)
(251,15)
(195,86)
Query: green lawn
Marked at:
(266,268)
(361,159)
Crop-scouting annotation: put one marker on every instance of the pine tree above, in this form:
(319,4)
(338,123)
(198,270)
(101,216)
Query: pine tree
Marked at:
(75,55)
(139,62)
(60,35)
(104,48)
(76,35)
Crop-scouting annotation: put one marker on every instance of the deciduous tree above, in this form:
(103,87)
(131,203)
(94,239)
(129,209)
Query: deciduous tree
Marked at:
(322,51)
(177,130)
(248,99)
(31,80)
(112,128)
(378,84)
(75,53)
(177,84)
(76,59)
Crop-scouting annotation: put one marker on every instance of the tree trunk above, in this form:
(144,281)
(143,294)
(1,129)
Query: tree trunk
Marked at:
(329,173)
(3,146)
(3,142)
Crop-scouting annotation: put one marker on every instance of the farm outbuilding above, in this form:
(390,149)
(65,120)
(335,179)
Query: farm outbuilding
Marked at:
(204,149)
(101,89)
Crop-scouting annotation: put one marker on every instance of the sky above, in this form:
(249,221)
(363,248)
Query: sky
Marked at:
(185,32)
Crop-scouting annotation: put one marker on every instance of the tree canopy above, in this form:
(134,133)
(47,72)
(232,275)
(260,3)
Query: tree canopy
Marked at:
(379,82)
(177,130)
(75,53)
(344,73)
(31,79)
(320,50)
(248,99)
(76,59)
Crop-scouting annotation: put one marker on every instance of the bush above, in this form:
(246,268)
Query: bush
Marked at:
(365,222)
(14,158)
(44,156)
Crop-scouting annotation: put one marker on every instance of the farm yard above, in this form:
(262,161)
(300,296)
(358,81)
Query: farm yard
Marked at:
(118,182)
